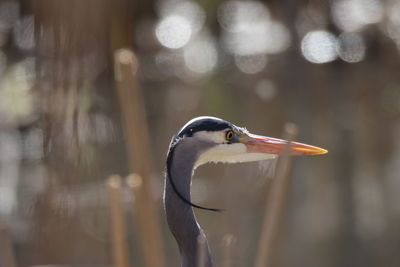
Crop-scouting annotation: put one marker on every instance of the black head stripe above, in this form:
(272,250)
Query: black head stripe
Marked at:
(192,127)
(204,124)
(171,180)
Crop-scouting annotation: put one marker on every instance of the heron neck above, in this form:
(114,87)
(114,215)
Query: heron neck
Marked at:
(180,216)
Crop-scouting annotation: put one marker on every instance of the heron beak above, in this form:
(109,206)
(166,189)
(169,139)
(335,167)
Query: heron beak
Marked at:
(269,145)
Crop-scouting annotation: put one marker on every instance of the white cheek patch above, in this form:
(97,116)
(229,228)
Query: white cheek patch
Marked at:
(230,153)
(210,136)
(248,157)
(220,153)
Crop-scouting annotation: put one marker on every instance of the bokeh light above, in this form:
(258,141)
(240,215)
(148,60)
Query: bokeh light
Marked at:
(351,47)
(236,15)
(174,31)
(191,11)
(251,64)
(265,89)
(352,15)
(319,47)
(201,55)
(248,29)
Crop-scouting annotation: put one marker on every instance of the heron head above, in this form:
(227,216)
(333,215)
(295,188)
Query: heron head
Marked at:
(231,144)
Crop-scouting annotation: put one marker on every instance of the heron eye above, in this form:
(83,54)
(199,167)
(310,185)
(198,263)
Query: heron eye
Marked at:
(229,135)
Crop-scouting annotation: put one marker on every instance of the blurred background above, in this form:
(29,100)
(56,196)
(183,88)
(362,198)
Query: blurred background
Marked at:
(331,67)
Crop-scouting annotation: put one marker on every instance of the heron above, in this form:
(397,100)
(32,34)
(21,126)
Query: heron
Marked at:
(200,141)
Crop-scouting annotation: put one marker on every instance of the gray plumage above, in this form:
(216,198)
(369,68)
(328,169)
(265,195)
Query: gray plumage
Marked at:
(202,140)
(180,216)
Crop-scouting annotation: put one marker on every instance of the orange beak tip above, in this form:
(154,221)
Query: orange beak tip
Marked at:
(309,150)
(269,145)
(321,152)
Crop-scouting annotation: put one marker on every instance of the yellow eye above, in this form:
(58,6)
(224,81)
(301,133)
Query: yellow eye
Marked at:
(229,135)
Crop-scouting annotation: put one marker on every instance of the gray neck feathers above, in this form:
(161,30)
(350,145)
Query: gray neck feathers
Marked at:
(180,216)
